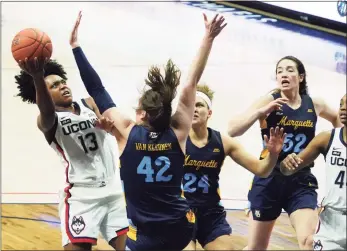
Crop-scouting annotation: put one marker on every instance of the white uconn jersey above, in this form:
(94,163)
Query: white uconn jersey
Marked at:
(86,151)
(335,169)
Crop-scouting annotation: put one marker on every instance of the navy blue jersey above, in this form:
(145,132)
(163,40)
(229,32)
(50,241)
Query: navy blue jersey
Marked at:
(151,169)
(201,171)
(298,124)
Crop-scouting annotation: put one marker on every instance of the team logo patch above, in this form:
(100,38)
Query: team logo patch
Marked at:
(64,121)
(257,213)
(317,246)
(153,135)
(78,224)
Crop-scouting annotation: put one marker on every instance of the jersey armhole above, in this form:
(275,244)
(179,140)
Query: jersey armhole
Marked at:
(50,135)
(85,104)
(329,144)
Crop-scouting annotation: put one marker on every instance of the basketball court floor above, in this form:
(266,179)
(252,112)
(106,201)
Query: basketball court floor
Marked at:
(122,40)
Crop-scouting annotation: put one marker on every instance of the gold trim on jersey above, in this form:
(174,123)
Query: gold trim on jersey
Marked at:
(132,233)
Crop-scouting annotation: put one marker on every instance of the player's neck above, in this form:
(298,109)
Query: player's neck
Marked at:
(344,134)
(198,133)
(70,108)
(293,97)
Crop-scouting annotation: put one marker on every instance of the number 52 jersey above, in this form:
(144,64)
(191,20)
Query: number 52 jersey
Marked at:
(86,151)
(299,125)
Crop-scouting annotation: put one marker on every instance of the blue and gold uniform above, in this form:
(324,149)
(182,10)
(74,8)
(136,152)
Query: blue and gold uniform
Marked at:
(202,166)
(268,196)
(151,169)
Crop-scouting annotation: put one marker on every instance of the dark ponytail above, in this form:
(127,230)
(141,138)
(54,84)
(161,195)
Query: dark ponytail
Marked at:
(157,100)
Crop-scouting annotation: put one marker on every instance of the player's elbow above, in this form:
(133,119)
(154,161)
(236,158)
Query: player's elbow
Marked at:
(234,131)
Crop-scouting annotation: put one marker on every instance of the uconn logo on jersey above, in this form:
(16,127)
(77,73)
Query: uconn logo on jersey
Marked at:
(69,127)
(336,158)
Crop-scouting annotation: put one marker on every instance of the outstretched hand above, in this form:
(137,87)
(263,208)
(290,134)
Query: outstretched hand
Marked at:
(275,143)
(215,26)
(74,34)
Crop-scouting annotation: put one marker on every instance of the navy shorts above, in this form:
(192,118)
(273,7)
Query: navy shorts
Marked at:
(162,236)
(268,196)
(210,224)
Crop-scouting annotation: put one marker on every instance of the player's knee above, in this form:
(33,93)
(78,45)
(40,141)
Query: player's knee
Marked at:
(305,242)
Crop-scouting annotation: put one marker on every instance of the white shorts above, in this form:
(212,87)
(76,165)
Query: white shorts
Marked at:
(331,231)
(86,211)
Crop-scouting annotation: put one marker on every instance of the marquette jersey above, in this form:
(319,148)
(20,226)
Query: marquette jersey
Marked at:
(298,124)
(86,151)
(335,171)
(201,171)
(151,168)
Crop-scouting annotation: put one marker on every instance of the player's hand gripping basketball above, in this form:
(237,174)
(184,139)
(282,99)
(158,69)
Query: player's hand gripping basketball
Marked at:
(74,34)
(273,105)
(105,124)
(215,26)
(275,143)
(33,67)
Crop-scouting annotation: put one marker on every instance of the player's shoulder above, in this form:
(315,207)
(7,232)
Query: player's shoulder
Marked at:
(323,138)
(268,97)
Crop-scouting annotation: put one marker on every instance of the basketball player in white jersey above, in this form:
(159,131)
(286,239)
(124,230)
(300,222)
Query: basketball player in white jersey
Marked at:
(92,201)
(331,229)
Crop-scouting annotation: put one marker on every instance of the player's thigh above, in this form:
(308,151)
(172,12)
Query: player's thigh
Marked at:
(301,206)
(115,222)
(259,233)
(191,246)
(80,220)
(223,242)
(212,224)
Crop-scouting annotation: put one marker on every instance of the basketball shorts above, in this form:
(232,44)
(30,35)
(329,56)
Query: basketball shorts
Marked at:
(163,236)
(210,224)
(268,196)
(85,212)
(331,230)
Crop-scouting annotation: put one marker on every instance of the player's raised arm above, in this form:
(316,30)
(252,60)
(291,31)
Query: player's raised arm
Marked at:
(44,101)
(263,167)
(259,109)
(182,119)
(95,88)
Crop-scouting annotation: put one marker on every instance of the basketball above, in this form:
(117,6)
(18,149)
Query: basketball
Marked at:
(30,43)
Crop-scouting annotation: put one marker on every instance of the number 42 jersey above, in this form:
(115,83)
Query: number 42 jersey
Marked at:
(86,151)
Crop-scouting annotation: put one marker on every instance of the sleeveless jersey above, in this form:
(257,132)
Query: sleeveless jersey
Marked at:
(151,168)
(201,171)
(298,124)
(335,171)
(86,151)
